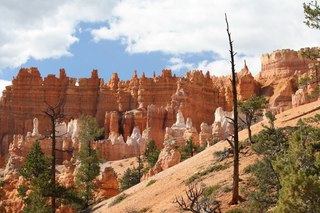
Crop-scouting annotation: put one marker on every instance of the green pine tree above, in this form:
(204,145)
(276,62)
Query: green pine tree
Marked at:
(36,170)
(89,167)
(151,153)
(251,109)
(130,178)
(190,149)
(299,172)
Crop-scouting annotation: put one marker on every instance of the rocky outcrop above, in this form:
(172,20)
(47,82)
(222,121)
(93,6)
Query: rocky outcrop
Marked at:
(281,71)
(182,131)
(283,64)
(107,184)
(168,157)
(118,105)
(146,102)
(247,87)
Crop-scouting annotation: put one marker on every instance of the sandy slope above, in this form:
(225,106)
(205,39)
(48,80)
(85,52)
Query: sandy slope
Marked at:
(159,196)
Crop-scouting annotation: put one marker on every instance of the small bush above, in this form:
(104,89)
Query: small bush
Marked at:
(193,178)
(221,155)
(22,190)
(151,182)
(214,168)
(152,153)
(211,190)
(1,183)
(133,210)
(189,150)
(130,178)
(118,199)
(226,189)
(236,210)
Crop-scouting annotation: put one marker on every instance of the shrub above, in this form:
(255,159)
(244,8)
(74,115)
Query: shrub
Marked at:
(236,210)
(118,199)
(189,150)
(129,179)
(151,182)
(221,155)
(214,168)
(152,153)
(211,190)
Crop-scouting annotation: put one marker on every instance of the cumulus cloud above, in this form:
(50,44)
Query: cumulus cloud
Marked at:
(191,26)
(216,67)
(3,84)
(44,29)
(177,64)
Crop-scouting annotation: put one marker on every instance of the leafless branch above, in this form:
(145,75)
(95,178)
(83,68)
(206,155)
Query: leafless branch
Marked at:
(195,203)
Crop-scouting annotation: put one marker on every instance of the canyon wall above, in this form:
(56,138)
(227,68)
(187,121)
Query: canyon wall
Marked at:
(149,103)
(143,102)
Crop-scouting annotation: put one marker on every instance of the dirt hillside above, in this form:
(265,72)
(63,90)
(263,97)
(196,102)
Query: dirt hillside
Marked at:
(159,196)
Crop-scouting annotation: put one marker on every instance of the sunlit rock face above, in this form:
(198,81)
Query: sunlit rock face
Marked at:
(144,102)
(280,74)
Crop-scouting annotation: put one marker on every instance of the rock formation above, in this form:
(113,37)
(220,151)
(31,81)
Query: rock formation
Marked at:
(107,184)
(148,103)
(168,157)
(118,105)
(279,75)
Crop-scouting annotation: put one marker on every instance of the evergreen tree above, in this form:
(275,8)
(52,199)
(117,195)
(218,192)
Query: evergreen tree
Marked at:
(130,178)
(299,172)
(89,161)
(252,109)
(269,143)
(312,14)
(189,150)
(36,170)
(151,153)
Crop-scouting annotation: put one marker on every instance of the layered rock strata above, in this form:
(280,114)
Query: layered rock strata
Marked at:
(148,103)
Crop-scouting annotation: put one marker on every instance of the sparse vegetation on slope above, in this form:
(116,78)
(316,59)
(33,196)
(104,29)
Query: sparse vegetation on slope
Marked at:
(171,182)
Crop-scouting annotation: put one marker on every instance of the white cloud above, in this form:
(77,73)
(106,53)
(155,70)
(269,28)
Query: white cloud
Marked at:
(192,26)
(223,66)
(177,64)
(215,67)
(44,29)
(3,84)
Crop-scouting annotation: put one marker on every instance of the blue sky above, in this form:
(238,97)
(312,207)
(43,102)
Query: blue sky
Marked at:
(144,35)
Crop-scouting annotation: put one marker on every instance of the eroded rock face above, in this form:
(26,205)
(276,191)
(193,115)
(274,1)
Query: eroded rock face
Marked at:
(279,76)
(247,86)
(107,184)
(118,105)
(282,64)
(205,136)
(145,102)
(182,131)
(168,157)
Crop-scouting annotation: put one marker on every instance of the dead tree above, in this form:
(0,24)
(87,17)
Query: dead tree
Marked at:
(195,203)
(55,115)
(235,144)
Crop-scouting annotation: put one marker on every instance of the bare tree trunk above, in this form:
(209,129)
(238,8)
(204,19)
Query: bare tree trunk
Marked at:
(54,114)
(53,164)
(235,190)
(250,135)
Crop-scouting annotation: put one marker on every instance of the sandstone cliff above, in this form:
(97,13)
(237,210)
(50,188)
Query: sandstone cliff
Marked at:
(149,103)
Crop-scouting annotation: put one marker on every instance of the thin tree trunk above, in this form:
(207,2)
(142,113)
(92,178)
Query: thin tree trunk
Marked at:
(235,189)
(53,113)
(249,135)
(53,165)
